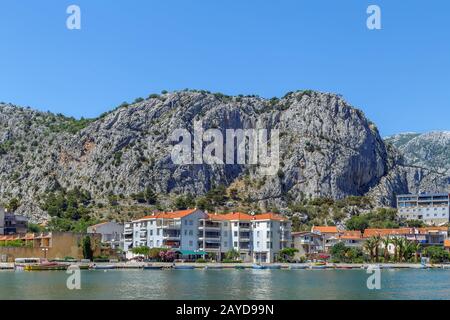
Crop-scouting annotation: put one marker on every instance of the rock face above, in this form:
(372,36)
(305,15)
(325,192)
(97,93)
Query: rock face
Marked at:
(327,148)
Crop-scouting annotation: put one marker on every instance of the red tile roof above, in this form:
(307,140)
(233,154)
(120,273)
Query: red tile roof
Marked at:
(231,216)
(325,229)
(169,215)
(351,235)
(269,216)
(387,232)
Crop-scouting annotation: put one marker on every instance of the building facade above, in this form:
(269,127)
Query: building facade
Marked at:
(2,221)
(176,230)
(14,224)
(111,232)
(256,238)
(432,209)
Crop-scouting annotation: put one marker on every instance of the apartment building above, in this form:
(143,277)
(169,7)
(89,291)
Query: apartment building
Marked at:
(220,233)
(431,208)
(271,234)
(213,234)
(176,230)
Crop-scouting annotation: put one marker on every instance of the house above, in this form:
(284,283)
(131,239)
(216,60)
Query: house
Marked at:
(52,245)
(352,239)
(112,233)
(307,243)
(329,235)
(12,224)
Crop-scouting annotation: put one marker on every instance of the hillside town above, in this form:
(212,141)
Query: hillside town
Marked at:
(198,236)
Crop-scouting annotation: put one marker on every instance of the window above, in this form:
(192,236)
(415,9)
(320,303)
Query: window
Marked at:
(257,244)
(151,243)
(157,243)
(268,245)
(185,232)
(257,233)
(191,222)
(225,244)
(235,234)
(235,244)
(151,222)
(235,224)
(151,232)
(225,233)
(268,234)
(191,232)
(158,231)
(185,222)
(225,224)
(191,243)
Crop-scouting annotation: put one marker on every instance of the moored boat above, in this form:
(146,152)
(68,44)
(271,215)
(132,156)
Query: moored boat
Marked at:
(298,267)
(153,267)
(183,267)
(103,267)
(273,266)
(258,267)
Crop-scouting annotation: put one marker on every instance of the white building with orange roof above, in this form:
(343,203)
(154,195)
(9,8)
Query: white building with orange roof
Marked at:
(271,234)
(220,233)
(173,230)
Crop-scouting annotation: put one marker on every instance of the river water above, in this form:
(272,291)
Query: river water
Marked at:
(226,284)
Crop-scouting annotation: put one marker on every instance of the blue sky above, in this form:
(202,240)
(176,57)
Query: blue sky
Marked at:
(399,76)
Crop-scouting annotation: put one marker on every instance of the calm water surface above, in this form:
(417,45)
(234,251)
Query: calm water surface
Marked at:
(226,284)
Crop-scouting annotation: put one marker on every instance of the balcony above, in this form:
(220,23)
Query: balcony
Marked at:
(168,226)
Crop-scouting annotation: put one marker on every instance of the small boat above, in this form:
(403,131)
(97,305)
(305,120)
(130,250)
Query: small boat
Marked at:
(184,267)
(258,266)
(51,266)
(300,267)
(213,267)
(103,267)
(239,267)
(153,267)
(317,267)
(273,266)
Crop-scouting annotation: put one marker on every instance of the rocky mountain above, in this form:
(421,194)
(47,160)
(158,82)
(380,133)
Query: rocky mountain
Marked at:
(327,149)
(429,150)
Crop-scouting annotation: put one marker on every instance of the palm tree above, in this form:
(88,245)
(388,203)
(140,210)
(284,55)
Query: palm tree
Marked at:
(369,245)
(396,242)
(377,241)
(401,248)
(386,242)
(417,246)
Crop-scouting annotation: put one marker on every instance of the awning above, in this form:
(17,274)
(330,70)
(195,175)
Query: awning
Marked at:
(191,253)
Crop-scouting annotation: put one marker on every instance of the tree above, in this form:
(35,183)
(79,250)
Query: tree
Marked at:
(377,242)
(141,251)
(13,204)
(437,254)
(150,196)
(396,242)
(287,254)
(369,245)
(87,248)
(232,255)
(417,247)
(357,223)
(386,242)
